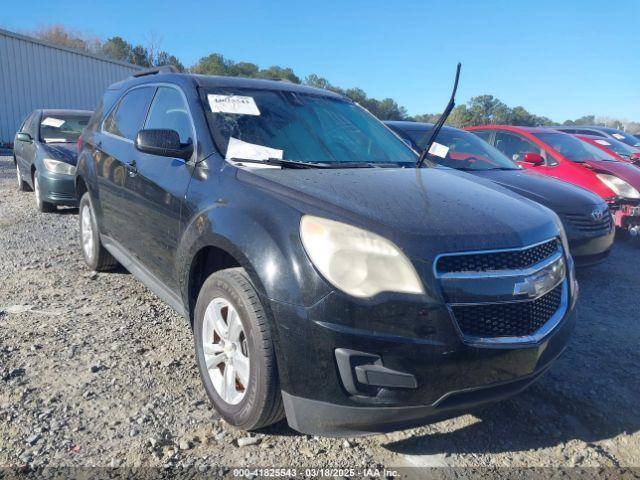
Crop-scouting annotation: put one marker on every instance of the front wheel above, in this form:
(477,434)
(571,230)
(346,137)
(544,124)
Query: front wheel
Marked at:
(42,206)
(95,255)
(235,351)
(22,186)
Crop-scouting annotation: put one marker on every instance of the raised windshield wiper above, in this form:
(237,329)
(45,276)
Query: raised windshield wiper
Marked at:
(438,126)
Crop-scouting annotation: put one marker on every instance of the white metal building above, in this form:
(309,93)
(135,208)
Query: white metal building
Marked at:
(36,74)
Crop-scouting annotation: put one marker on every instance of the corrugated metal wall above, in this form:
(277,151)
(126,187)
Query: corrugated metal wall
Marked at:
(34,75)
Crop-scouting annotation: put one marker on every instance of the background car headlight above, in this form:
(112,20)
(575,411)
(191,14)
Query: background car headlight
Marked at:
(619,186)
(56,166)
(356,261)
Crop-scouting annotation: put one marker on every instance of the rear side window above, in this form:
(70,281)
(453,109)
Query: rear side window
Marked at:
(126,119)
(169,111)
(483,134)
(516,147)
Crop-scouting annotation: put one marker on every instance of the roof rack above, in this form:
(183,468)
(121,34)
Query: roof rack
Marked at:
(157,70)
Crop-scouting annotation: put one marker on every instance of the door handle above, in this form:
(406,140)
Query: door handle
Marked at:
(133,171)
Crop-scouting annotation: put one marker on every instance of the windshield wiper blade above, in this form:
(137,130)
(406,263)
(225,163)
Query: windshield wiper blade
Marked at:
(298,164)
(438,126)
(281,163)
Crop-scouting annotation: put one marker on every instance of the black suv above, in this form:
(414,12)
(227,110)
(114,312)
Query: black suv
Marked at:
(325,277)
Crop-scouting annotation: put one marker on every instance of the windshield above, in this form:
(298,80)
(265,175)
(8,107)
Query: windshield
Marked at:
(62,128)
(573,148)
(262,124)
(616,146)
(623,137)
(466,150)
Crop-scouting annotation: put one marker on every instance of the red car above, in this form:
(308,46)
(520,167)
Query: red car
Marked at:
(614,147)
(568,158)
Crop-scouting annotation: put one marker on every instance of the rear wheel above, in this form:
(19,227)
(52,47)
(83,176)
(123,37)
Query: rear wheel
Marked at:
(235,351)
(43,206)
(95,255)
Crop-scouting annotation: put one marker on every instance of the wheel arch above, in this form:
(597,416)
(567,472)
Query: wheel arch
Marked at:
(276,264)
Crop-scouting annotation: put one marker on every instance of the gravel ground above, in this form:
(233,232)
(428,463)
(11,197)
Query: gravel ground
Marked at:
(95,370)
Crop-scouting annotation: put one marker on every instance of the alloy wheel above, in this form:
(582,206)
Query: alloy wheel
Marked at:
(87,232)
(226,350)
(36,189)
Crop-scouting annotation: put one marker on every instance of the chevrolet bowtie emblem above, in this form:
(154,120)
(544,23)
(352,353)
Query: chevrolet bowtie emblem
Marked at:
(540,282)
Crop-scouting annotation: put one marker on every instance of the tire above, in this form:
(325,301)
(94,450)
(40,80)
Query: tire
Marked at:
(42,206)
(22,186)
(95,255)
(258,403)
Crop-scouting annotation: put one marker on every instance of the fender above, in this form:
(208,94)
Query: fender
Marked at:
(270,254)
(85,170)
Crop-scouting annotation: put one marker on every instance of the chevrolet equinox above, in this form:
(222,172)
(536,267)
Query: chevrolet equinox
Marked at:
(326,278)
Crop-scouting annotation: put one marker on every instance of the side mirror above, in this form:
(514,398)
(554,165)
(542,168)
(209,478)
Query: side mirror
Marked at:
(163,142)
(24,137)
(533,158)
(635,158)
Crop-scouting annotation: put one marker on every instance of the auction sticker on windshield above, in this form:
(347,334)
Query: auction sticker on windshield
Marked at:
(239,149)
(52,122)
(236,104)
(439,150)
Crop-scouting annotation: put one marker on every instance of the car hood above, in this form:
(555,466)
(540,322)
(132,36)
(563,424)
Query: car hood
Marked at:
(65,152)
(553,193)
(425,211)
(626,171)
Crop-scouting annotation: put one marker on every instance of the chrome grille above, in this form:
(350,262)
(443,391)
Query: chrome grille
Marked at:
(501,260)
(585,223)
(513,319)
(505,296)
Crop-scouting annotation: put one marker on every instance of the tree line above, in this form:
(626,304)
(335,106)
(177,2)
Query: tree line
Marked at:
(479,110)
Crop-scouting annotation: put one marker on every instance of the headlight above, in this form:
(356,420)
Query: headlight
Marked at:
(56,166)
(619,186)
(563,234)
(356,261)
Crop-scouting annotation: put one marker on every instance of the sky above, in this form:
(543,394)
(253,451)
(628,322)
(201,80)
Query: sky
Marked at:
(562,59)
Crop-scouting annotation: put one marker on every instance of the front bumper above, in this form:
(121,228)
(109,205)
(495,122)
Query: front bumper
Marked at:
(587,251)
(412,337)
(58,189)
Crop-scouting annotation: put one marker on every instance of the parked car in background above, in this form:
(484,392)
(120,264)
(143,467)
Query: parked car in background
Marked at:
(566,157)
(614,147)
(323,275)
(585,216)
(599,131)
(44,152)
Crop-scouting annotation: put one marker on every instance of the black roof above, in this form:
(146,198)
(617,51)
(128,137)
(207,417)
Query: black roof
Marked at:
(599,128)
(212,81)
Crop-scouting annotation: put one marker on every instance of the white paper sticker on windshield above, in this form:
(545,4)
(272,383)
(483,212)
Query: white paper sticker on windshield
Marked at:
(54,140)
(237,149)
(439,150)
(618,136)
(602,142)
(236,104)
(52,122)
